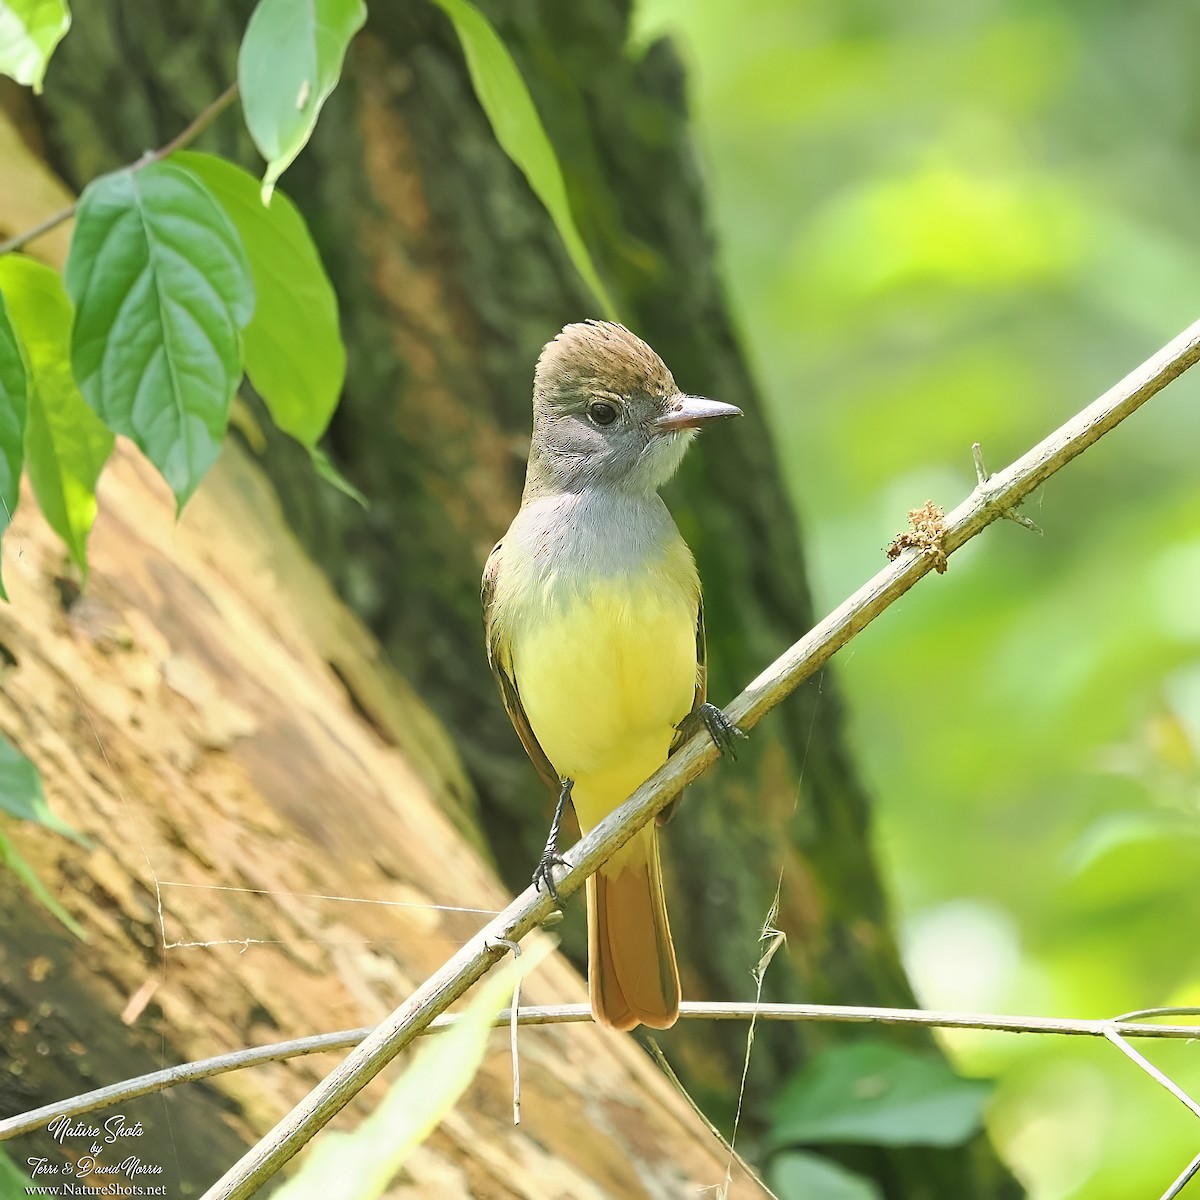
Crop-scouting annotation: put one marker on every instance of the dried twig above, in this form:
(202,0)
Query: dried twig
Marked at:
(514,1021)
(992,499)
(1166,1082)
(721,1189)
(1163,1081)
(1189,1173)
(562,1014)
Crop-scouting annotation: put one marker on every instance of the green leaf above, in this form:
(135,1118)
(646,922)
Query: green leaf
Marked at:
(66,446)
(29,31)
(288,63)
(21,793)
(328,472)
(519,130)
(13,1181)
(161,288)
(795,1175)
(14,404)
(293,346)
(360,1165)
(878,1093)
(26,874)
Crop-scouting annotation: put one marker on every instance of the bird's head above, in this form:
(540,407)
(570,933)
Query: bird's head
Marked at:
(607,413)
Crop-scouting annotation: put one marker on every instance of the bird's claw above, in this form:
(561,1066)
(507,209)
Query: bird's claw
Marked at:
(721,729)
(545,872)
(550,855)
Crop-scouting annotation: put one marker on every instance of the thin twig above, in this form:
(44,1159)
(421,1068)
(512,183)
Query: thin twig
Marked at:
(562,1014)
(185,138)
(1189,1173)
(51,222)
(197,127)
(774,939)
(169,1077)
(1164,1081)
(1143,1014)
(514,1010)
(982,476)
(669,1071)
(514,1022)
(988,502)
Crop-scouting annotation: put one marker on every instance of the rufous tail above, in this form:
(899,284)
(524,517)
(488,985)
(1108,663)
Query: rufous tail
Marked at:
(632,975)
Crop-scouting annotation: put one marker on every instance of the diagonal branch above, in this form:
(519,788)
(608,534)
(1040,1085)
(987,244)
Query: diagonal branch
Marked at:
(994,497)
(1189,1172)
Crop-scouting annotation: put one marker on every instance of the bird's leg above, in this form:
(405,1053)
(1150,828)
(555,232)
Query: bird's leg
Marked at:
(550,855)
(721,729)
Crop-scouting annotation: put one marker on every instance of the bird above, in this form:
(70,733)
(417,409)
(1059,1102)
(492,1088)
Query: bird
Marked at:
(594,628)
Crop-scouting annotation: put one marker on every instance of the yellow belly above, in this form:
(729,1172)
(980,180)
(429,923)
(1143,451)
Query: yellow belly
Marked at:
(604,680)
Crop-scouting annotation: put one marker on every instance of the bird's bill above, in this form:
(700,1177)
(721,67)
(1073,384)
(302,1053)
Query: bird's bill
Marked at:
(691,412)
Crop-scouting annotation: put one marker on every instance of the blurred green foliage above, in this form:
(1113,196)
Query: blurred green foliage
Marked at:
(943,223)
(360,1164)
(875,1092)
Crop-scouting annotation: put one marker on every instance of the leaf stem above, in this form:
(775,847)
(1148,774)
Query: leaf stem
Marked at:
(181,139)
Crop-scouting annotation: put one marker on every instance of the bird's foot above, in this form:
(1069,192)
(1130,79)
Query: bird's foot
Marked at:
(545,872)
(550,855)
(721,729)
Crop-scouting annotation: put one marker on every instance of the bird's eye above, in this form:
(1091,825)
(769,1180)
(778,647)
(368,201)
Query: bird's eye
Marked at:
(601,413)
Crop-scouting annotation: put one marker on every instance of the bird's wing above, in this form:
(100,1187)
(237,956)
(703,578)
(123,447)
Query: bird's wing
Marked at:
(509,692)
(701,695)
(701,672)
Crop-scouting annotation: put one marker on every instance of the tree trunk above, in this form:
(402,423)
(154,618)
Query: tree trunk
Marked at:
(450,277)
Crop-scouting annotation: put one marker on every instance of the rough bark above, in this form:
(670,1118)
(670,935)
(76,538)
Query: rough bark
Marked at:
(451,277)
(193,715)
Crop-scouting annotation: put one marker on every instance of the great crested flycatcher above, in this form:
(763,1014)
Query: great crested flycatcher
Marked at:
(595,632)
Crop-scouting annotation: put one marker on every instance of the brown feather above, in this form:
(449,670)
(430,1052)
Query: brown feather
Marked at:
(632,975)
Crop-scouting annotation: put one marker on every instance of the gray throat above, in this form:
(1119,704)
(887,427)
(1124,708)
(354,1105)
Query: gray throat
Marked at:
(566,538)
